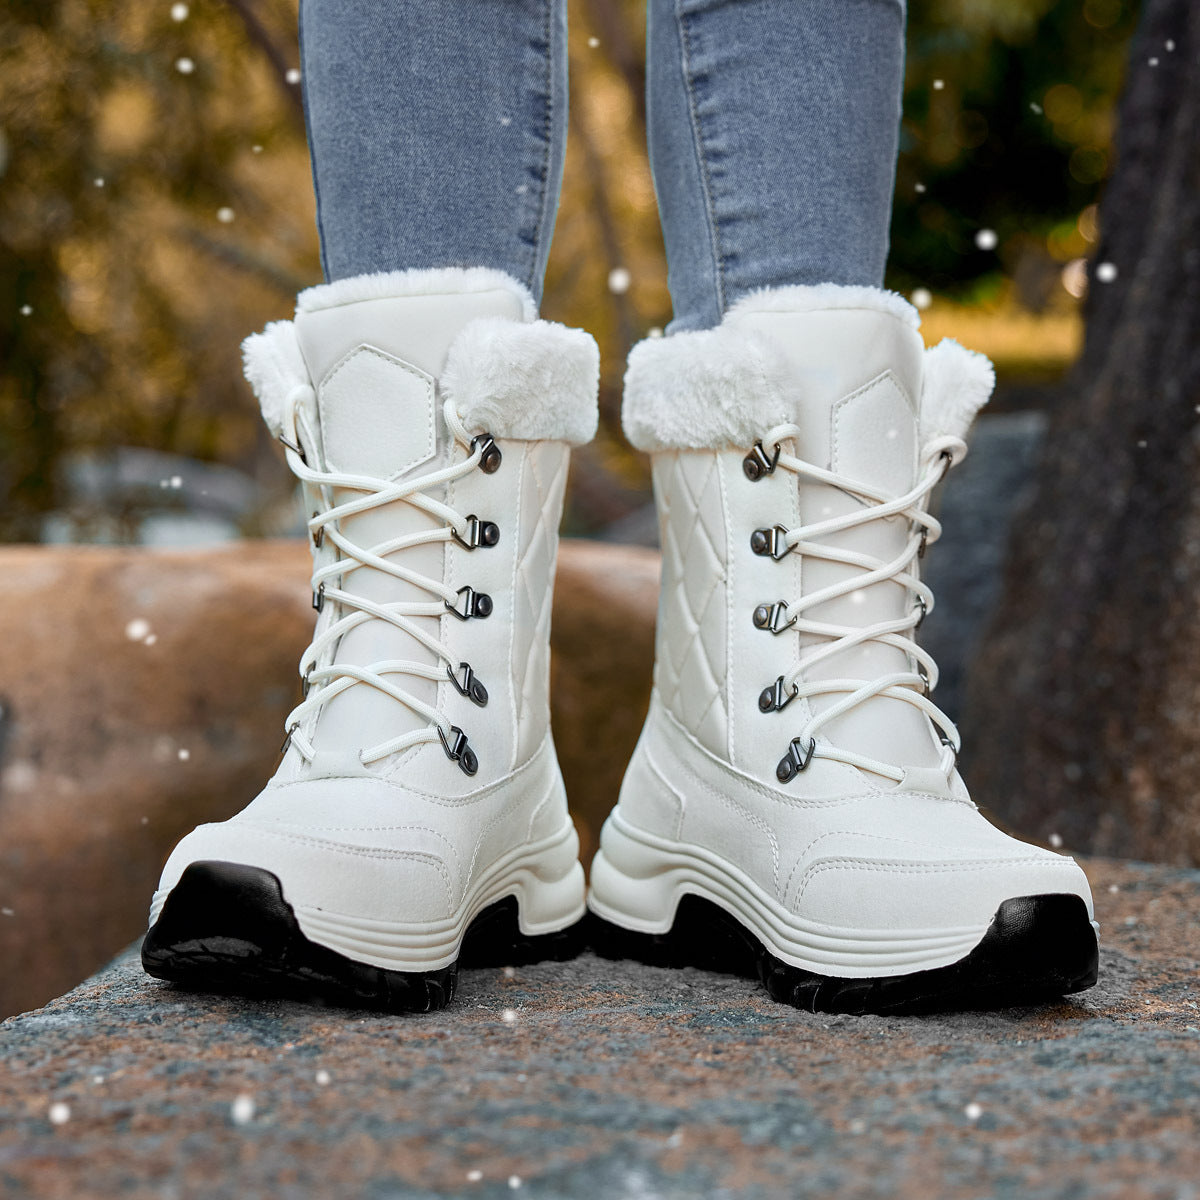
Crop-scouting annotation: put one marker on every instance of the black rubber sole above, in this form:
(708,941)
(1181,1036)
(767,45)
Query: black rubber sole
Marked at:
(1037,949)
(227,928)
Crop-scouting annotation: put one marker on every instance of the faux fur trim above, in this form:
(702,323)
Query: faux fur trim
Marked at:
(693,391)
(386,285)
(275,368)
(809,298)
(532,382)
(956,384)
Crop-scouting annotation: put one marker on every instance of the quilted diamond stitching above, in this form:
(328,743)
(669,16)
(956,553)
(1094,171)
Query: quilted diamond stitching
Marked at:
(691,665)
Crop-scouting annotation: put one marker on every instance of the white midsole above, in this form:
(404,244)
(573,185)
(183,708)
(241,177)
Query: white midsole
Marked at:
(545,877)
(638,879)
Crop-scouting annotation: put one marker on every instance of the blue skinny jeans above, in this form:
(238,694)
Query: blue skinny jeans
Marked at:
(437,130)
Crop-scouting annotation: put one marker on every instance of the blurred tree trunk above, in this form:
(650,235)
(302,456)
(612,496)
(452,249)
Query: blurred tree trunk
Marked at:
(1086,698)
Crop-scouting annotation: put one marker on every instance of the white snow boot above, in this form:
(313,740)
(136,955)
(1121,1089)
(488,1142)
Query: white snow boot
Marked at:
(419,804)
(792,807)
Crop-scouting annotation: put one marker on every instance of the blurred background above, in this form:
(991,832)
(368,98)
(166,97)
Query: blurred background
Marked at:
(156,206)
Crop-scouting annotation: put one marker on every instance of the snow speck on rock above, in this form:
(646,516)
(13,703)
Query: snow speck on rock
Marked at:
(1105,272)
(59,1113)
(138,629)
(986,239)
(184,65)
(241,1111)
(618,281)
(921,297)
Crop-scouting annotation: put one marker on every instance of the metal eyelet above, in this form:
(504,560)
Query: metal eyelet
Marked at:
(318,535)
(296,447)
(489,456)
(771,617)
(758,463)
(924,674)
(924,613)
(949,745)
(319,598)
(479,533)
(458,751)
(770,542)
(796,759)
(287,738)
(306,683)
(924,543)
(773,698)
(470,604)
(467,685)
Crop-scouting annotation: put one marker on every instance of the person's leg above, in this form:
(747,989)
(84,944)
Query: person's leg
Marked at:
(437,130)
(429,416)
(794,778)
(773,130)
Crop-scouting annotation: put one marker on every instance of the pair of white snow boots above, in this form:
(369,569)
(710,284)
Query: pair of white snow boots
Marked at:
(792,808)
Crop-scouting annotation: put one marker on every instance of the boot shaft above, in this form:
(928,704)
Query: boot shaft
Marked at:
(372,363)
(844,388)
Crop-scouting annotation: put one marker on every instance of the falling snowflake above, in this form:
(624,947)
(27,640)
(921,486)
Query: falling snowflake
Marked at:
(474,1176)
(7,912)
(1114,888)
(138,629)
(98,181)
(1034,107)
(506,121)
(938,84)
(509,1016)
(176,481)
(618,281)
(920,189)
(225,214)
(514,1182)
(292,75)
(510,972)
(185,66)
(1170,45)
(151,638)
(59,1113)
(179,12)
(986,239)
(26,310)
(655,331)
(973,1111)
(322,1078)
(1105,272)
(241,1111)
(593,42)
(921,298)
(184,754)
(256,149)
(1055,840)
(1153,62)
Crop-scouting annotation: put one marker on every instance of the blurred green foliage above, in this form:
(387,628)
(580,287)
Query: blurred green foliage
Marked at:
(155,207)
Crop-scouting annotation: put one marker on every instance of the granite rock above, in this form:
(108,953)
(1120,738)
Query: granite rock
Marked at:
(599,1079)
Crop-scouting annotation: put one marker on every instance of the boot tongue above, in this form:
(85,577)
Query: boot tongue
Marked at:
(374,364)
(854,377)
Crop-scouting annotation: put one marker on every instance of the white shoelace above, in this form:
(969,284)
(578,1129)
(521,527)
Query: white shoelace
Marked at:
(910,687)
(323,683)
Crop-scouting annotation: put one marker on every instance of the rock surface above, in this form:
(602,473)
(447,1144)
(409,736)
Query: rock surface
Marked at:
(143,692)
(598,1079)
